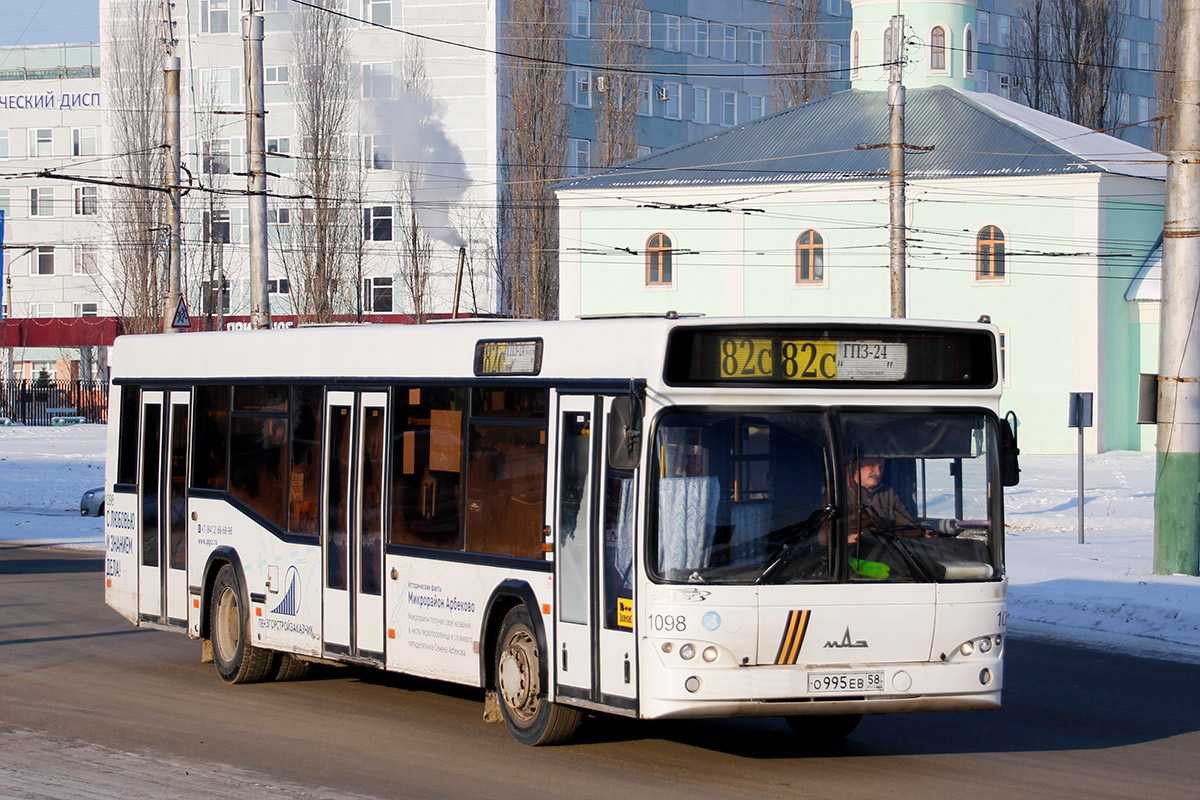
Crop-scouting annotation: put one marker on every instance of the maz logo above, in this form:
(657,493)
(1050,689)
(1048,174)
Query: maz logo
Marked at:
(847,641)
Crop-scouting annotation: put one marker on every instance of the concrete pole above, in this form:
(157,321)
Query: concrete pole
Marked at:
(1177,484)
(174,239)
(256,144)
(896,199)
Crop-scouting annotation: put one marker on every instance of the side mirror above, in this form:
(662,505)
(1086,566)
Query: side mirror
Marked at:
(1010,468)
(624,433)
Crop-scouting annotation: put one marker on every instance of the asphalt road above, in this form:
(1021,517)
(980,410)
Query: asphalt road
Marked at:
(92,707)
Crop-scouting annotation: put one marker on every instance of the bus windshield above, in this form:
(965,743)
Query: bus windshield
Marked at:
(767,498)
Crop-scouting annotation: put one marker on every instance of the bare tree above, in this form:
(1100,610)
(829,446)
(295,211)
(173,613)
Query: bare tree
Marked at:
(533,142)
(1028,57)
(798,54)
(615,52)
(211,209)
(1069,48)
(136,216)
(317,263)
(1164,79)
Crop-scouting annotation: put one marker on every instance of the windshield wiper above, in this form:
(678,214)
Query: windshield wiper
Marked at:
(788,549)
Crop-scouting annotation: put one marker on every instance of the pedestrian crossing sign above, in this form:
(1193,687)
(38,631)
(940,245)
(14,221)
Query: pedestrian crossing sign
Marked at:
(182,320)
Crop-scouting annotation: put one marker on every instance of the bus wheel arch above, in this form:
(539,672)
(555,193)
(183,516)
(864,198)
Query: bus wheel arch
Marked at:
(530,715)
(236,658)
(505,597)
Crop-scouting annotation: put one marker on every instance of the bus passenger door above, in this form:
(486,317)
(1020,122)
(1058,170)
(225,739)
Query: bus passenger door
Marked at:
(162,507)
(594,514)
(352,528)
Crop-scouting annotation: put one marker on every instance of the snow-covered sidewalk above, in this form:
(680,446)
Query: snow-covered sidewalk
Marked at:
(1100,593)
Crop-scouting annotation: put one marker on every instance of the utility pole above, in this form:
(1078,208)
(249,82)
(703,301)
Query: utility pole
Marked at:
(896,199)
(174,239)
(1177,478)
(256,144)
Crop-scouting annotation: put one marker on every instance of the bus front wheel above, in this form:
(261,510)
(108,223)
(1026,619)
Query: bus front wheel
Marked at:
(529,716)
(237,660)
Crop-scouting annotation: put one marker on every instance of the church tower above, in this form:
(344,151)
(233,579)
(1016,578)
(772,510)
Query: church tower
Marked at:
(939,43)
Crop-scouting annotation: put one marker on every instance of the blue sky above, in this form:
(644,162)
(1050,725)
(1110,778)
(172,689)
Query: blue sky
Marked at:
(49,21)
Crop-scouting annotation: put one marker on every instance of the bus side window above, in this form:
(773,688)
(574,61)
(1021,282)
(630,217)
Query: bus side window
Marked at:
(258,446)
(210,445)
(131,405)
(506,472)
(304,475)
(427,467)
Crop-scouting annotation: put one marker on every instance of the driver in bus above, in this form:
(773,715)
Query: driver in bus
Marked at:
(875,507)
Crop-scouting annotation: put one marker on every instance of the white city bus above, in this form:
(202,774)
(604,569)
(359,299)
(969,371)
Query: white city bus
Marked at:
(656,518)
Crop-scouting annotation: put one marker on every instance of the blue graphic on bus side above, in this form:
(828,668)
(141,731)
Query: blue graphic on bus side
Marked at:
(711,621)
(289,605)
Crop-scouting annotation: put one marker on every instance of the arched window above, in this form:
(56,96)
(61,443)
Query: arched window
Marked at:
(889,48)
(810,258)
(658,260)
(937,49)
(989,265)
(969,51)
(854,54)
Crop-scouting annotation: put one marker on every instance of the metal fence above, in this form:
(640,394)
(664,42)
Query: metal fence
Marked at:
(45,402)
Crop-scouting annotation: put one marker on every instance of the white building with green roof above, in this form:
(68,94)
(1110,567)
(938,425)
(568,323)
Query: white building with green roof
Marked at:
(1039,224)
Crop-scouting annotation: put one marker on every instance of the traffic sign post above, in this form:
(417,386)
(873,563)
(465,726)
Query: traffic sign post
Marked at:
(1079,415)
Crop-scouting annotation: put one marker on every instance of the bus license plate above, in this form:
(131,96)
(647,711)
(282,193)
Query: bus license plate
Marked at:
(845,682)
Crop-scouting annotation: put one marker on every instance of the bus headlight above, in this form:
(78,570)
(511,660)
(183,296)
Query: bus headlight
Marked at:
(709,654)
(967,648)
(687,652)
(985,644)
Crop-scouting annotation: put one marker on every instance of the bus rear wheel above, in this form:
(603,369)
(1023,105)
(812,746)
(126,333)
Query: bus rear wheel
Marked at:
(237,660)
(824,729)
(529,716)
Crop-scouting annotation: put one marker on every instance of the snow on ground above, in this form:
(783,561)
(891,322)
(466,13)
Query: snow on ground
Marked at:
(1100,593)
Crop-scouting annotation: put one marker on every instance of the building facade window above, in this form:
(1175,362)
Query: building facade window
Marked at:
(755,45)
(42,311)
(212,300)
(833,60)
(41,143)
(728,43)
(87,309)
(1143,55)
(672,34)
(672,100)
(658,260)
(377,223)
(581,18)
(216,157)
(377,80)
(810,258)
(280,286)
(728,108)
(377,151)
(41,201)
(643,98)
(990,259)
(889,48)
(379,11)
(214,16)
(1003,85)
(855,54)
(83,142)
(579,157)
(280,145)
(216,86)
(87,260)
(700,104)
(969,51)
(275,75)
(377,295)
(642,22)
(758,106)
(982,25)
(700,38)
(937,49)
(4,151)
(85,200)
(579,88)
(1003,28)
(45,260)
(216,228)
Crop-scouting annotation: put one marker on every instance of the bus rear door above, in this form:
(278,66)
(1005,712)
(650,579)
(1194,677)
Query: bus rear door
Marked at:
(162,507)
(352,528)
